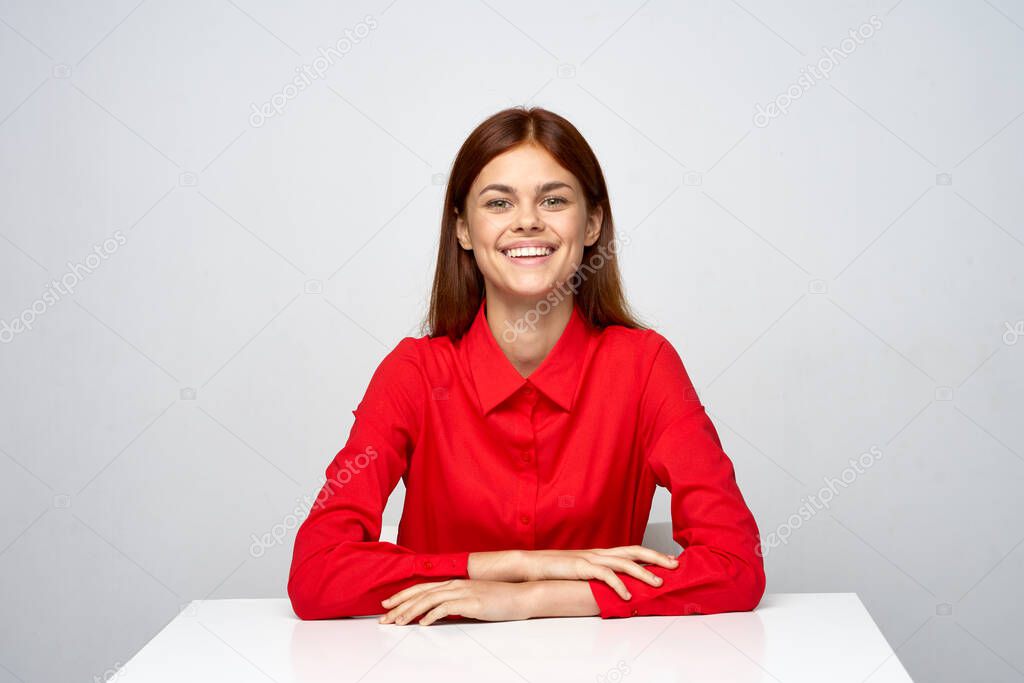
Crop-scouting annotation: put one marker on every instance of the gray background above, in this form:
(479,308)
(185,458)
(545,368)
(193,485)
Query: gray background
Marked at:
(846,277)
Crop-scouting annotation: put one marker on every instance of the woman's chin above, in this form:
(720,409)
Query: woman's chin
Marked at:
(529,291)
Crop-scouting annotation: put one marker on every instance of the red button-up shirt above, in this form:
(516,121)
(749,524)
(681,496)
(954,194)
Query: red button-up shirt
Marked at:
(568,458)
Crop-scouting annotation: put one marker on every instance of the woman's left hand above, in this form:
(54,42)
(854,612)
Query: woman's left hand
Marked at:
(473,598)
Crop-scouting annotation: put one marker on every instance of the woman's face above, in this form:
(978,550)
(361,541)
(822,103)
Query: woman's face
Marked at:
(524,197)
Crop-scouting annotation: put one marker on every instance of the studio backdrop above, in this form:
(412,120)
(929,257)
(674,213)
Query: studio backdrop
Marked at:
(216,218)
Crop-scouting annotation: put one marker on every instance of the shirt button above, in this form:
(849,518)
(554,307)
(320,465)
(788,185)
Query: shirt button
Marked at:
(529,391)
(525,519)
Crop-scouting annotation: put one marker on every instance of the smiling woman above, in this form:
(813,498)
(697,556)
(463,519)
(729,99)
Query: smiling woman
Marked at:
(530,459)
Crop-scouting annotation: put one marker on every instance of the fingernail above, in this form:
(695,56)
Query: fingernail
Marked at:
(629,596)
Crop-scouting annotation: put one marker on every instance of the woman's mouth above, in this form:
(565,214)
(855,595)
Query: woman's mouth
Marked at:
(529,256)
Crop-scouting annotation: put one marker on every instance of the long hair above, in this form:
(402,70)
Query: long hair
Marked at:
(458,287)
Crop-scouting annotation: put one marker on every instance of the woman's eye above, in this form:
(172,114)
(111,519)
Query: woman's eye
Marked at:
(557,200)
(494,202)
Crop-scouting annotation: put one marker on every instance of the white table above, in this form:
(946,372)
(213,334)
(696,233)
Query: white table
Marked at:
(790,637)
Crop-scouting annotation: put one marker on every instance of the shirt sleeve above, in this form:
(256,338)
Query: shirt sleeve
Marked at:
(721,568)
(339,566)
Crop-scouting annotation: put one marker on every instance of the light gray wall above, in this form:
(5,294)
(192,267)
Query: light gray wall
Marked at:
(839,278)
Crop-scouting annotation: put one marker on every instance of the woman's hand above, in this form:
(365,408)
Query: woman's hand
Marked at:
(473,598)
(595,563)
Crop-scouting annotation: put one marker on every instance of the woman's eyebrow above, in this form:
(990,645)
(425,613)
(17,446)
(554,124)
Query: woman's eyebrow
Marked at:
(546,187)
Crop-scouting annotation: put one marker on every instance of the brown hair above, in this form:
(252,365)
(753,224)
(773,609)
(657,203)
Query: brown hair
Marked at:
(458,283)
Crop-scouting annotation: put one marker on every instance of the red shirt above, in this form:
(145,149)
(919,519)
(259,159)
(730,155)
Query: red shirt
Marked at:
(567,458)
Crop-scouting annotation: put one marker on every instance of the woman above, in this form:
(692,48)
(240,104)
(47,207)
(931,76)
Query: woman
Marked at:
(530,427)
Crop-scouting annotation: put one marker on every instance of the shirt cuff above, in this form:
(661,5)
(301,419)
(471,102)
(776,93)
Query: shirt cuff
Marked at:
(441,564)
(609,603)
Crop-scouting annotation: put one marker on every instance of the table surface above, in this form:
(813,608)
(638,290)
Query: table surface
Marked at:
(790,637)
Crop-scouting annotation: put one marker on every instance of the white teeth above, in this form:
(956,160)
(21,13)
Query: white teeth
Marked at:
(529,251)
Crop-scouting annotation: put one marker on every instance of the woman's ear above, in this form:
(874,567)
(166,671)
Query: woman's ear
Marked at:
(594,221)
(462,232)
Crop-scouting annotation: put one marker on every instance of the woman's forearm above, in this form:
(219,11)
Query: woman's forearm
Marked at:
(547,598)
(562,599)
(497,565)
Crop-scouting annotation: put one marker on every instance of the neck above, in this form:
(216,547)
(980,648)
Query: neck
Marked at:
(524,333)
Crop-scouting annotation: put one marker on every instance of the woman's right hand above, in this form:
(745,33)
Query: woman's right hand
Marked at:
(594,563)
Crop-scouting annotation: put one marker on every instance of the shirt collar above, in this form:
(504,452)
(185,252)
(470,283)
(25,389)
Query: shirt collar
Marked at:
(495,378)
